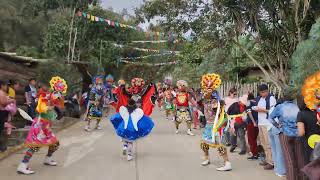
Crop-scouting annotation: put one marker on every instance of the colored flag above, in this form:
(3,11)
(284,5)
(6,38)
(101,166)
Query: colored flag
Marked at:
(84,14)
(93,18)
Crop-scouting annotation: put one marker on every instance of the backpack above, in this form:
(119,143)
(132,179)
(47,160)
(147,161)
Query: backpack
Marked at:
(267,102)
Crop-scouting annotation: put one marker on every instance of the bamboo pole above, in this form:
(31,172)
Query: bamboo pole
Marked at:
(70,35)
(74,44)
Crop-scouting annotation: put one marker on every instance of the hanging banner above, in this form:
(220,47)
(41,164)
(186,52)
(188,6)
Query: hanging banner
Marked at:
(117,24)
(150,64)
(148,50)
(161,41)
(144,57)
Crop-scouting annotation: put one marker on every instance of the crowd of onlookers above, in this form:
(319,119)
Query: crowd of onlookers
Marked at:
(272,131)
(8,106)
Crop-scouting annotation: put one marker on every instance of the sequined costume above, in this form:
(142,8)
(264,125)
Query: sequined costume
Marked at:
(168,97)
(168,102)
(134,107)
(95,104)
(40,133)
(109,98)
(182,111)
(217,121)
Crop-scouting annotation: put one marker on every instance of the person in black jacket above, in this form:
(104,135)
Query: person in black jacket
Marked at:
(238,108)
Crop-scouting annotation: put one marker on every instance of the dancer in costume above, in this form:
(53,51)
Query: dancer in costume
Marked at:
(95,104)
(168,102)
(133,107)
(216,121)
(168,97)
(160,95)
(109,99)
(40,134)
(182,113)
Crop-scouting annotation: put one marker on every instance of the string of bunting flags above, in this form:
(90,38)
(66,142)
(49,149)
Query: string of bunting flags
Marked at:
(148,50)
(150,64)
(116,24)
(144,57)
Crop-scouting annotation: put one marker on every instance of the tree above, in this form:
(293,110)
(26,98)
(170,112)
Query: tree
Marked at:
(305,60)
(275,26)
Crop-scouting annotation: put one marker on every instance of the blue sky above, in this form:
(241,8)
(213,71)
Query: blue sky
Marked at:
(118,5)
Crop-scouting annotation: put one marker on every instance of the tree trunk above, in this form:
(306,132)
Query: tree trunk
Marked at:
(86,76)
(274,80)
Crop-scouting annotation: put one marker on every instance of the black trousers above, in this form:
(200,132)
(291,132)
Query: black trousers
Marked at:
(3,118)
(3,138)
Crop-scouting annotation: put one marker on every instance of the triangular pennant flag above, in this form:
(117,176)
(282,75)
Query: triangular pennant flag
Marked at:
(117,24)
(84,14)
(97,18)
(88,16)
(112,23)
(107,21)
(101,19)
(79,13)
(93,18)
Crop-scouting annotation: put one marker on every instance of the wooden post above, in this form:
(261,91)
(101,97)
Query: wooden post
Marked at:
(74,44)
(70,35)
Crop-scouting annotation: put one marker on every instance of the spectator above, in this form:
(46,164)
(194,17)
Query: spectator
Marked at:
(31,97)
(291,145)
(282,116)
(229,100)
(13,87)
(307,126)
(265,102)
(252,127)
(4,101)
(239,125)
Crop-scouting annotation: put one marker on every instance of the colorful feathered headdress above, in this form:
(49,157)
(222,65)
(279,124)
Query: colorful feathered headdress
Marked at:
(58,87)
(311,91)
(109,78)
(121,82)
(182,85)
(137,85)
(210,82)
(58,84)
(97,80)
